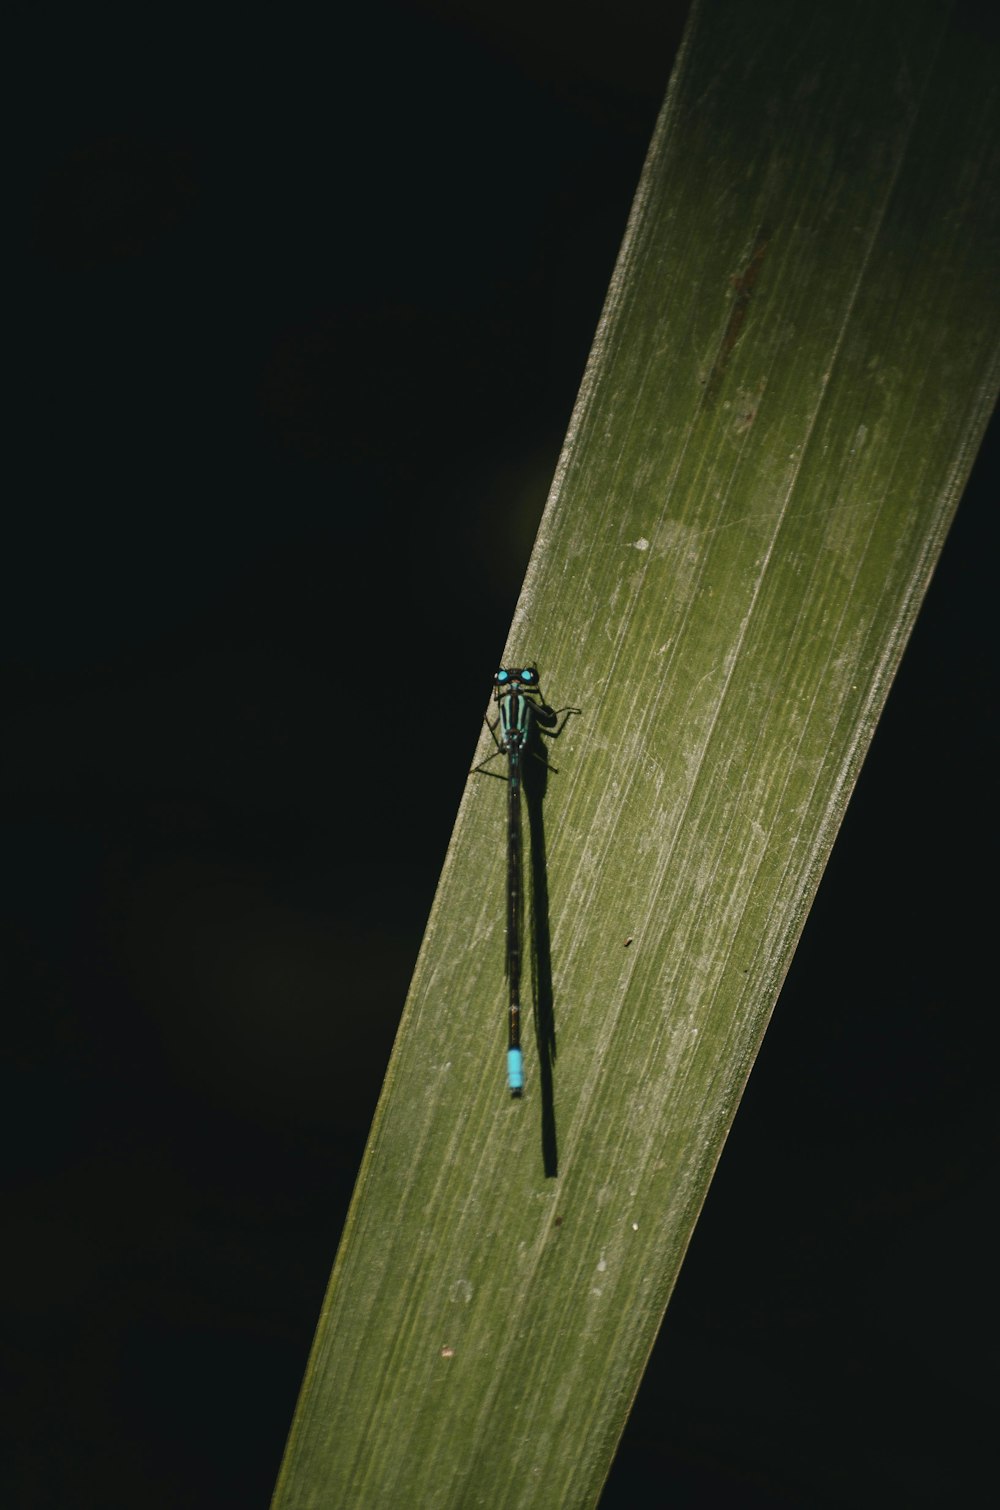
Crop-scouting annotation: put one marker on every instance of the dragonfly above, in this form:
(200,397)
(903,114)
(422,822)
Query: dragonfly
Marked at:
(521,711)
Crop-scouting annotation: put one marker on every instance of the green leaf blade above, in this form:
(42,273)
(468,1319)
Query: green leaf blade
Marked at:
(797,360)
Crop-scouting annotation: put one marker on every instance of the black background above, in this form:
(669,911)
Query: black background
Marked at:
(300,309)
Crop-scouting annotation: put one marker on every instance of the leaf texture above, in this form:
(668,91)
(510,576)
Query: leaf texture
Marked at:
(795,365)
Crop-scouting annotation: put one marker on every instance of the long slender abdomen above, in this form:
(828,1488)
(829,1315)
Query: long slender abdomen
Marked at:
(515,1069)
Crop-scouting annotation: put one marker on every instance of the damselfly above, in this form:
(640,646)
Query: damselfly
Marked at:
(521,711)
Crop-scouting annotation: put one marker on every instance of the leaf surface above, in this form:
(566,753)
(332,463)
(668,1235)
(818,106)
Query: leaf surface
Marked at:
(794,368)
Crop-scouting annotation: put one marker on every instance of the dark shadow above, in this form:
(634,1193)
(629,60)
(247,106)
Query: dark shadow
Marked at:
(536,770)
(536,774)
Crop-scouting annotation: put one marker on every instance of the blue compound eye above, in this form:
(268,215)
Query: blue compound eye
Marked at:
(502,676)
(528,674)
